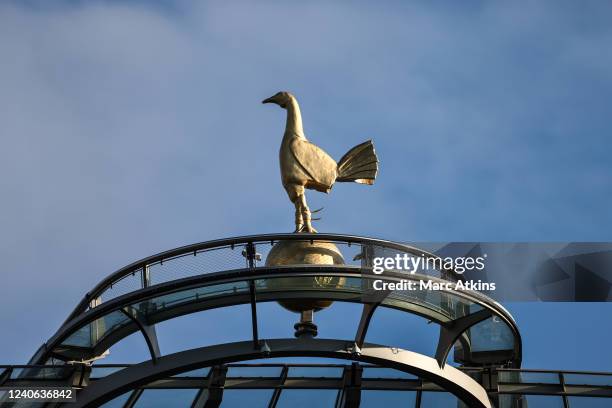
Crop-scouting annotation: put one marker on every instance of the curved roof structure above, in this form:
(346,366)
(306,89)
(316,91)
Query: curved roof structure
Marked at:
(227,272)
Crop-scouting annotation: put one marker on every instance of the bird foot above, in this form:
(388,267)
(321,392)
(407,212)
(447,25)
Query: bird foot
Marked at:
(307,228)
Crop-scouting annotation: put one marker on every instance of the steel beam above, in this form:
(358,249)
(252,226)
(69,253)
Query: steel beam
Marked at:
(364,322)
(133,398)
(148,331)
(277,390)
(449,378)
(350,396)
(211,396)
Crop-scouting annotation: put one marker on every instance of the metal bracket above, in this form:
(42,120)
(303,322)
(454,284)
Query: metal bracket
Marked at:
(451,331)
(353,349)
(366,316)
(212,394)
(80,376)
(351,390)
(251,255)
(148,331)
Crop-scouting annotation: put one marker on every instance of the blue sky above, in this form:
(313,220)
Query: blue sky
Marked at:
(133,127)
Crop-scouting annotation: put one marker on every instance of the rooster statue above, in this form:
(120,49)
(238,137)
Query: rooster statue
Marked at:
(305,165)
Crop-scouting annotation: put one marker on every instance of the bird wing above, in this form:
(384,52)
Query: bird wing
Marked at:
(316,164)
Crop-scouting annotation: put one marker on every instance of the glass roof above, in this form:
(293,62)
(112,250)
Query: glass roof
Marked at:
(491,335)
(528,377)
(379,398)
(246,398)
(307,399)
(591,379)
(588,402)
(440,399)
(535,401)
(330,372)
(254,371)
(90,334)
(166,398)
(447,306)
(293,385)
(199,260)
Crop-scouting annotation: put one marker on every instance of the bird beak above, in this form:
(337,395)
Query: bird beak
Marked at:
(268,100)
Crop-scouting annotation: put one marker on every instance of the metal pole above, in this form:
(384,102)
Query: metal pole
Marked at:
(251,255)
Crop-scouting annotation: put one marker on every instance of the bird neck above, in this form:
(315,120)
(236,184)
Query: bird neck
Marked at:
(294,120)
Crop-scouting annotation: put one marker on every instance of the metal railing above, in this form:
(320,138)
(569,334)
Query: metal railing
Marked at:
(495,380)
(230,253)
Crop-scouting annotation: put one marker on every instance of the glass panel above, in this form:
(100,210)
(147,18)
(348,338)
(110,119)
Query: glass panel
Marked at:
(117,402)
(589,402)
(309,283)
(449,305)
(491,335)
(90,334)
(475,373)
(81,337)
(49,373)
(588,379)
(439,399)
(376,399)
(307,398)
(190,295)
(403,330)
(383,372)
(528,377)
(200,372)
(166,398)
(333,372)
(530,401)
(246,398)
(254,371)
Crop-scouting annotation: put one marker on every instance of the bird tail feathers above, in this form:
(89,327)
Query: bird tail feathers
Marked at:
(359,165)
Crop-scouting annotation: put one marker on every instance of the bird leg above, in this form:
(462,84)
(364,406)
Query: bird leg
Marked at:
(299,222)
(307,227)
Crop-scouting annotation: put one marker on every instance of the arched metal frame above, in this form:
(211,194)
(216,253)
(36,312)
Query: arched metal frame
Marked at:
(451,330)
(451,379)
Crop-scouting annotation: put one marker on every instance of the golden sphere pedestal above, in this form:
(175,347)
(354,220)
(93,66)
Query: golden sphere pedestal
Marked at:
(295,253)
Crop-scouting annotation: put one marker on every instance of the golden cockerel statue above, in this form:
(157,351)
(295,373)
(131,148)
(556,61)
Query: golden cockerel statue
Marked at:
(305,165)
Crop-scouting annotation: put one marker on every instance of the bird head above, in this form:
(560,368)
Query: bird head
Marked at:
(282,99)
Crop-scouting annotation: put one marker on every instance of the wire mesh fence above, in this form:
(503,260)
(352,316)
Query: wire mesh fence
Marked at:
(221,256)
